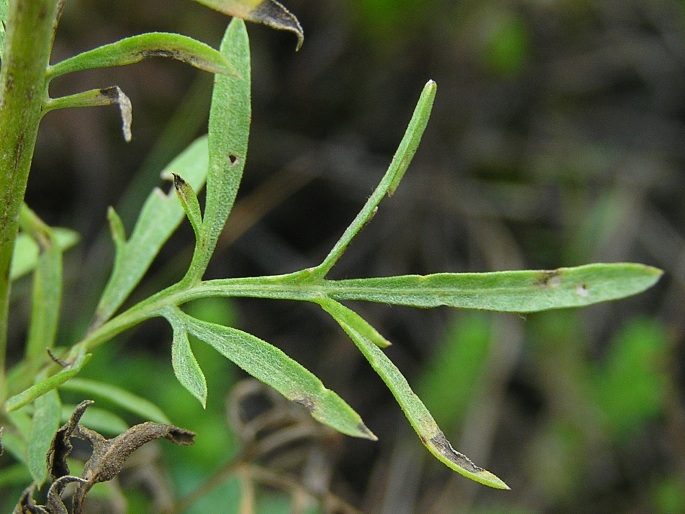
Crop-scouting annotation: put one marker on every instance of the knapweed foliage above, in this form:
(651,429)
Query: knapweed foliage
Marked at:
(37,432)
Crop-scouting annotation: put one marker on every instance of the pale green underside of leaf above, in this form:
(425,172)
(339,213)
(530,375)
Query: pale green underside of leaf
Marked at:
(136,48)
(505,291)
(416,412)
(26,250)
(159,218)
(117,396)
(273,367)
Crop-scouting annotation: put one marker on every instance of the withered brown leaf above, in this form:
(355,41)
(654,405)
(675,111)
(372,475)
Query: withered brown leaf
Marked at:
(106,461)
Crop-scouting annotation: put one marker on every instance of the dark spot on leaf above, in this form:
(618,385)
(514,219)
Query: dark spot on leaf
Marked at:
(161,53)
(440,443)
(307,403)
(551,278)
(178,181)
(582,290)
(110,92)
(233,159)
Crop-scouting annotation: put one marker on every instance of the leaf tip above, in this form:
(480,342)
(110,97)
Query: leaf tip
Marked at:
(443,450)
(366,432)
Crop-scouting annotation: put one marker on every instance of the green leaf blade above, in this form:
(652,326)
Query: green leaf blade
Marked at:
(229,128)
(136,48)
(186,367)
(44,386)
(270,365)
(505,291)
(416,412)
(410,142)
(388,184)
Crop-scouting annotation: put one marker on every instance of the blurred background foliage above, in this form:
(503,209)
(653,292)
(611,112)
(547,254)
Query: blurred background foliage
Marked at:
(558,138)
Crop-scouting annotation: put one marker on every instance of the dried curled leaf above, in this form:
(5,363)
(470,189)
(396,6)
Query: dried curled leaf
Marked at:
(108,455)
(55,504)
(267,12)
(95,98)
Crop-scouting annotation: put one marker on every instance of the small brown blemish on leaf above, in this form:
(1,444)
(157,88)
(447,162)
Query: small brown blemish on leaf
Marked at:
(178,181)
(582,290)
(307,403)
(440,443)
(550,279)
(233,159)
(145,54)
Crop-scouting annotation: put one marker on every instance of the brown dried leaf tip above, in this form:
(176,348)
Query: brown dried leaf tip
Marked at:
(106,461)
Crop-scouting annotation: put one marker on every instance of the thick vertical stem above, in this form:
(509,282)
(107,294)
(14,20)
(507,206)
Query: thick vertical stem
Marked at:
(28,43)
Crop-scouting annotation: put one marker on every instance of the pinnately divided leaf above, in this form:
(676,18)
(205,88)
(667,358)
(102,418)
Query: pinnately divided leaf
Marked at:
(273,367)
(416,412)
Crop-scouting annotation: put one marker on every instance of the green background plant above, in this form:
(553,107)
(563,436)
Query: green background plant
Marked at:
(576,258)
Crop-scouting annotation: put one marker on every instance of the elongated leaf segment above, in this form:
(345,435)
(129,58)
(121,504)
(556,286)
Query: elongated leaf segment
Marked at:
(388,184)
(229,129)
(416,412)
(270,365)
(134,49)
(186,368)
(267,12)
(44,386)
(190,203)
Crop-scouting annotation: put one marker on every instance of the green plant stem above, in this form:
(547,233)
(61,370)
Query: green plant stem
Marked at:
(28,43)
